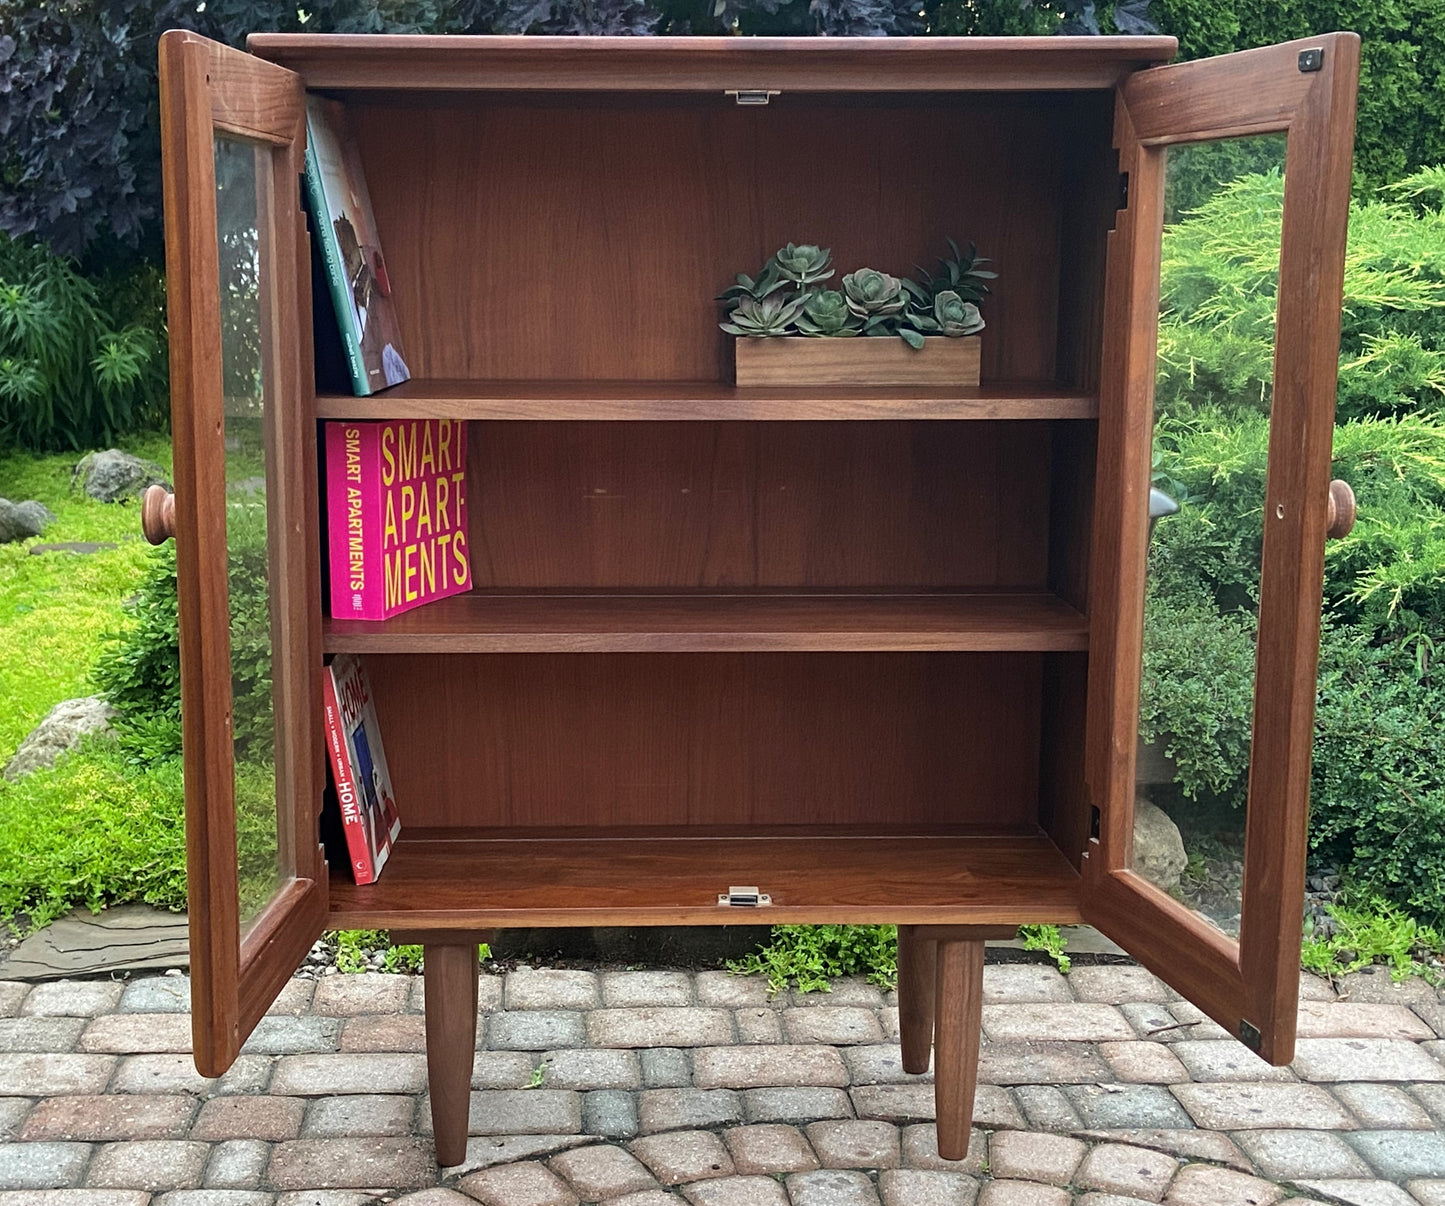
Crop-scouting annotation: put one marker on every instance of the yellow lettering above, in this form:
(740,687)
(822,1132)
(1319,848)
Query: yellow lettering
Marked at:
(388,532)
(429,568)
(459,481)
(407,452)
(423,512)
(388,456)
(459,556)
(428,453)
(409,572)
(444,446)
(408,510)
(392,561)
(443,520)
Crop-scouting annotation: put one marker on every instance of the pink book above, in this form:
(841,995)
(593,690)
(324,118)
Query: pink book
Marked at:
(396,515)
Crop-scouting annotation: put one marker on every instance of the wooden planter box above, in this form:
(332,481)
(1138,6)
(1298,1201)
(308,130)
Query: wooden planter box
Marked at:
(856,360)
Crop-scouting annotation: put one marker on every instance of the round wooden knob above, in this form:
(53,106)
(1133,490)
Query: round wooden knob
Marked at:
(1342,510)
(158,514)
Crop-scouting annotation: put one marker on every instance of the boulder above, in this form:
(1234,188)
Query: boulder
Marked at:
(18,521)
(1158,849)
(58,733)
(112,475)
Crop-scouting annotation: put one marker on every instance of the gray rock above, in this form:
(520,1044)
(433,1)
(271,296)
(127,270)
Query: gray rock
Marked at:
(1158,849)
(21,520)
(112,475)
(60,732)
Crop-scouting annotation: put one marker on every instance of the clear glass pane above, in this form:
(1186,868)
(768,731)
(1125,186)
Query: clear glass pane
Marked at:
(242,184)
(1218,283)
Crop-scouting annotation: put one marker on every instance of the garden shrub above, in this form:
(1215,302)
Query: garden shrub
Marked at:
(1378,797)
(811,955)
(94,830)
(82,361)
(139,668)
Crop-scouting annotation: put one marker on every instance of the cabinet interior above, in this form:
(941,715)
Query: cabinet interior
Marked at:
(840,657)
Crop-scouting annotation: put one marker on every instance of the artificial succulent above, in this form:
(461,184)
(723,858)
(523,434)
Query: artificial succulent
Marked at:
(803,263)
(770,315)
(873,294)
(826,313)
(784,298)
(956,317)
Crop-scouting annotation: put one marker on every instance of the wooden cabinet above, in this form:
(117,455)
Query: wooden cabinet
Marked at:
(874,651)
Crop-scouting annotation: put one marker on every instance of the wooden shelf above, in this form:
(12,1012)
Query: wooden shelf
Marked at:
(702,400)
(709,64)
(708,623)
(453,878)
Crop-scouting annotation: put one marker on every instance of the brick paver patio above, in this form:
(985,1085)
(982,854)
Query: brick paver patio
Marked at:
(652,1087)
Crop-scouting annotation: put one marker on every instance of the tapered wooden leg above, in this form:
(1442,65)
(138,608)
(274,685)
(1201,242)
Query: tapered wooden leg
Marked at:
(916,988)
(958,1011)
(451,1039)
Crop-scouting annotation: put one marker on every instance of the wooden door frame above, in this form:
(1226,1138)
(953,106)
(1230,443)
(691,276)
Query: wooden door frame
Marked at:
(208,88)
(1251,988)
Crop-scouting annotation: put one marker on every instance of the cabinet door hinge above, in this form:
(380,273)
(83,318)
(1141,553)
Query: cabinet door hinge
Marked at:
(1249,1034)
(752,96)
(1312,59)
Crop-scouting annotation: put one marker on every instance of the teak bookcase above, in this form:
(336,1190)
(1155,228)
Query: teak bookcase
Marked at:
(872,651)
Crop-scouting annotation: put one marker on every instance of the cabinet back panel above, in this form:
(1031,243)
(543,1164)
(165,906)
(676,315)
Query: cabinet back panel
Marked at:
(824,505)
(712,739)
(582,238)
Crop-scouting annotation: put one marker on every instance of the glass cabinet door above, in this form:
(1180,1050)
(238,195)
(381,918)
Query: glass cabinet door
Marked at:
(233,139)
(1209,548)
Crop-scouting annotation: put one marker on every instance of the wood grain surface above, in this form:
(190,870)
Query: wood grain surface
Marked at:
(420,62)
(480,622)
(452,879)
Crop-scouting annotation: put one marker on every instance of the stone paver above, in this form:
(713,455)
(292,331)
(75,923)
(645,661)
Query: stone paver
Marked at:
(855,1143)
(1262,1106)
(760,1067)
(1402,1155)
(1295,1154)
(1131,1172)
(527,988)
(148,1164)
(1200,1185)
(71,998)
(602,1171)
(669,1026)
(1021,1193)
(1080,1023)
(650,1087)
(769,1148)
(1360,1059)
(528,1184)
(1049,1159)
(736,1191)
(109,1118)
(831,1187)
(926,1187)
(684,1156)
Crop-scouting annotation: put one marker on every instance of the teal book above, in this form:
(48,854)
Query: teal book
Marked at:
(345,228)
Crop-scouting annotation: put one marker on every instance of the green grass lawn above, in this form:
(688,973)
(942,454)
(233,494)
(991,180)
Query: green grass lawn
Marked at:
(56,607)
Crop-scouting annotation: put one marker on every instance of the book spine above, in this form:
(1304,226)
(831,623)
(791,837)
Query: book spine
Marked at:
(362,866)
(373,519)
(335,273)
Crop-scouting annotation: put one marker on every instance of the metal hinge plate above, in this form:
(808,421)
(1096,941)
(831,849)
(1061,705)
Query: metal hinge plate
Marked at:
(752,96)
(1312,59)
(1249,1034)
(744,898)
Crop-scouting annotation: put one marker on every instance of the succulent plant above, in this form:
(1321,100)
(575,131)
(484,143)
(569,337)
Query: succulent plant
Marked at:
(767,281)
(873,294)
(826,313)
(770,315)
(955,316)
(960,274)
(804,263)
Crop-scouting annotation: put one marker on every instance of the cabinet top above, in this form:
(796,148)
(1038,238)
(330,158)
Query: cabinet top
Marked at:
(408,62)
